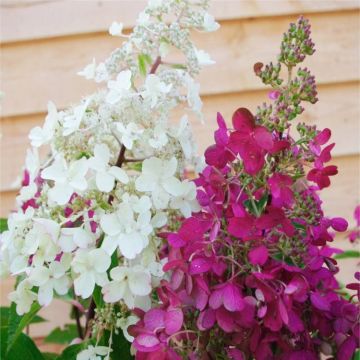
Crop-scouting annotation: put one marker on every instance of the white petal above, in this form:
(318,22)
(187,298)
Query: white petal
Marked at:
(173,186)
(140,283)
(104,181)
(66,241)
(109,244)
(45,294)
(146,182)
(114,291)
(160,198)
(119,174)
(39,275)
(102,153)
(119,273)
(61,193)
(100,260)
(142,205)
(159,220)
(62,285)
(82,238)
(110,224)
(84,285)
(131,244)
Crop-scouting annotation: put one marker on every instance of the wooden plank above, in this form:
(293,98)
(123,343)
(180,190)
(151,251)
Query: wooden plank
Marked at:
(25,20)
(48,68)
(340,116)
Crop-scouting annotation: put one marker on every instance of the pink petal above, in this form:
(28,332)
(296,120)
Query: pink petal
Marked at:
(225,319)
(339,224)
(263,138)
(323,137)
(259,255)
(154,319)
(243,120)
(146,343)
(206,319)
(232,299)
(173,321)
(199,265)
(320,302)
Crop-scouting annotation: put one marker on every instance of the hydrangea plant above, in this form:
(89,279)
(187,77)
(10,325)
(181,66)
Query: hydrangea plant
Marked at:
(89,215)
(252,275)
(233,265)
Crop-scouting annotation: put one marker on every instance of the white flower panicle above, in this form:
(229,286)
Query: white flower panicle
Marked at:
(90,213)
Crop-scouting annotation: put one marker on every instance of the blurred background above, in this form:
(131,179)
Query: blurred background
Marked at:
(45,43)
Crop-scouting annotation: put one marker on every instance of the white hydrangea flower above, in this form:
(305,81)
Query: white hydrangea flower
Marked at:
(68,178)
(138,205)
(71,122)
(43,135)
(89,70)
(50,279)
(41,240)
(160,138)
(124,323)
(203,58)
(119,88)
(26,193)
(209,23)
(143,19)
(91,267)
(154,89)
(184,135)
(122,230)
(72,238)
(193,96)
(97,72)
(101,73)
(158,178)
(186,202)
(93,353)
(129,133)
(116,29)
(106,174)
(126,284)
(23,297)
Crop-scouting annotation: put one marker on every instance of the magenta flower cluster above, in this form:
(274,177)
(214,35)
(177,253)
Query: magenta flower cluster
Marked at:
(252,275)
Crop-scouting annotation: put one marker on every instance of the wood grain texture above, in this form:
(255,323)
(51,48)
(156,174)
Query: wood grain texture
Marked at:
(340,116)
(24,20)
(34,72)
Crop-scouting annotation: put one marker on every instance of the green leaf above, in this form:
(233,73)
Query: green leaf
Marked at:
(5,313)
(298,226)
(3,225)
(356,355)
(50,356)
(62,336)
(142,64)
(24,349)
(18,323)
(348,254)
(120,346)
(71,351)
(98,298)
(3,341)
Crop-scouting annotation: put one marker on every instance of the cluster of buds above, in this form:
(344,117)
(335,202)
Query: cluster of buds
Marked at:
(296,43)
